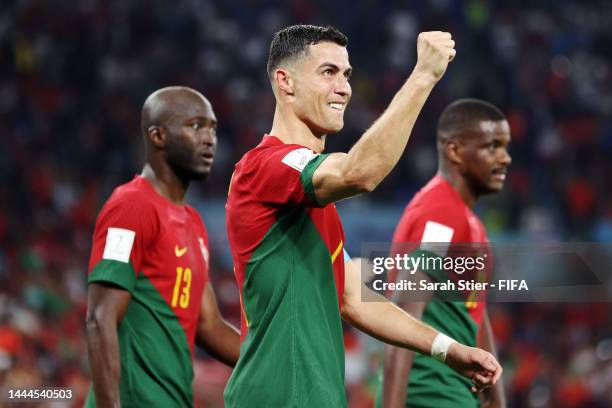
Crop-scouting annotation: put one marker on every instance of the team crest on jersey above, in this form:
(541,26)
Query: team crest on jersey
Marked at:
(299,158)
(203,249)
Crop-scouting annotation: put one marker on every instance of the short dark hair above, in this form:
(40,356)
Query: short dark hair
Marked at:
(293,41)
(464,112)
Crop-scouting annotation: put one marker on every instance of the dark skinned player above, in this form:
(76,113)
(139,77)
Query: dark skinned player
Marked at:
(149,296)
(472,142)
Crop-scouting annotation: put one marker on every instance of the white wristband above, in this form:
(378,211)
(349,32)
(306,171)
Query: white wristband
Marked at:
(440,346)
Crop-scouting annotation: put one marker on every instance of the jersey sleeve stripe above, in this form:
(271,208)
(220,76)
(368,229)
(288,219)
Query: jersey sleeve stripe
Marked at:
(306,177)
(119,273)
(336,252)
(246,318)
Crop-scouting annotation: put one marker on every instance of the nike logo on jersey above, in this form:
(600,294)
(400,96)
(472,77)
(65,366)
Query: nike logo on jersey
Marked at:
(179,251)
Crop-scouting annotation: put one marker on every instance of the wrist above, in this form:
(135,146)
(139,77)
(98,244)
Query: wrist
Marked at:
(441,346)
(423,78)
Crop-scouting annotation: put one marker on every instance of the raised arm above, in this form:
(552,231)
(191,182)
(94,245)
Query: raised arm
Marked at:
(214,334)
(381,146)
(390,324)
(106,306)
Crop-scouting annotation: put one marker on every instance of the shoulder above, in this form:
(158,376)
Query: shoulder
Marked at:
(129,199)
(283,156)
(129,205)
(432,211)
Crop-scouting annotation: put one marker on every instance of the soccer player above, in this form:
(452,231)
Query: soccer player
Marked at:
(149,296)
(287,240)
(472,142)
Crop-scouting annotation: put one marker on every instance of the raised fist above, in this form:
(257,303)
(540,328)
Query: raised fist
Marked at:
(435,50)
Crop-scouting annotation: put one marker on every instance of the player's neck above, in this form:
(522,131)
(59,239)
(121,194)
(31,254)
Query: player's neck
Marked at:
(166,183)
(291,130)
(460,185)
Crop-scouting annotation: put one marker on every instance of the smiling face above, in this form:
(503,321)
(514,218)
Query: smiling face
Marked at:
(483,150)
(191,136)
(321,89)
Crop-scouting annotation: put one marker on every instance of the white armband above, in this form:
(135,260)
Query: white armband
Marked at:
(440,347)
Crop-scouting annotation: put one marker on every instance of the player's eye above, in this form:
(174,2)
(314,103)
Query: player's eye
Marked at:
(493,145)
(328,72)
(196,126)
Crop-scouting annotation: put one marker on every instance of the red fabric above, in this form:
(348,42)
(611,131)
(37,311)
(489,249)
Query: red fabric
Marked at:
(161,228)
(260,187)
(440,203)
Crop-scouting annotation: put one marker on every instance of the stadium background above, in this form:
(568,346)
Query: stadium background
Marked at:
(73,76)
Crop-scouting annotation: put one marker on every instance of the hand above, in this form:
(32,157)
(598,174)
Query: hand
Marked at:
(478,365)
(435,50)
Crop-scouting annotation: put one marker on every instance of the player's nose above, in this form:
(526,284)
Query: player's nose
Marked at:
(209,137)
(505,158)
(343,87)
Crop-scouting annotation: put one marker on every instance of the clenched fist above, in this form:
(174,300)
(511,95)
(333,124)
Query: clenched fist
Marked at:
(435,50)
(478,365)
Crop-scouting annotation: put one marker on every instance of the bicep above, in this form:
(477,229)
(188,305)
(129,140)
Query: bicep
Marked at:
(106,303)
(352,278)
(209,309)
(332,182)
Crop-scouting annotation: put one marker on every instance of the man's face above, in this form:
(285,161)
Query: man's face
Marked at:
(321,87)
(485,156)
(191,137)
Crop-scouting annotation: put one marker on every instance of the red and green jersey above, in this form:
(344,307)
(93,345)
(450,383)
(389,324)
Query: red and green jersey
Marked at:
(289,265)
(437,213)
(158,251)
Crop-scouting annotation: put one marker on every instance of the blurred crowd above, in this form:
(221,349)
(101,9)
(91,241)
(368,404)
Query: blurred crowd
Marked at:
(73,76)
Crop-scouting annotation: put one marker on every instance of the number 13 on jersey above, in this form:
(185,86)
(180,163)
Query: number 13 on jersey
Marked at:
(183,280)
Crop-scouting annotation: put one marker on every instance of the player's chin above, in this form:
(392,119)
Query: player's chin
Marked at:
(494,186)
(200,172)
(335,126)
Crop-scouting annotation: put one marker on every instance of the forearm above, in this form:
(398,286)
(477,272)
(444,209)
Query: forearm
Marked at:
(390,324)
(396,367)
(221,340)
(380,148)
(103,349)
(494,396)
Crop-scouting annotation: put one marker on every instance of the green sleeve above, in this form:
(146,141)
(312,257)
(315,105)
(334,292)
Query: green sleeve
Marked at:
(306,177)
(119,273)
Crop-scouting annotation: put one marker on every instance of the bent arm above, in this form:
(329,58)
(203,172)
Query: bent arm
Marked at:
(381,318)
(392,325)
(106,306)
(374,155)
(214,334)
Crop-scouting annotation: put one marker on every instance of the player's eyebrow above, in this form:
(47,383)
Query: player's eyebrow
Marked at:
(335,67)
(204,119)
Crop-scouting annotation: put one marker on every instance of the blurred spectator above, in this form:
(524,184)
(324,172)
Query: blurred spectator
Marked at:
(74,75)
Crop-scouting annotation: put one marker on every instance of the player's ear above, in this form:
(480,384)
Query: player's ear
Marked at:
(157,136)
(452,152)
(283,80)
